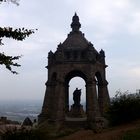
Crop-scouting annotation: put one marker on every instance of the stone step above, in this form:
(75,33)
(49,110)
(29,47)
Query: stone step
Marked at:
(76,122)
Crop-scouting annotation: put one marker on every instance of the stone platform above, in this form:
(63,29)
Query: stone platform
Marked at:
(76,122)
(76,111)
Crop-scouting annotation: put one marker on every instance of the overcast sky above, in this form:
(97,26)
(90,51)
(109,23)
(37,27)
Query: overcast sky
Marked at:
(111,25)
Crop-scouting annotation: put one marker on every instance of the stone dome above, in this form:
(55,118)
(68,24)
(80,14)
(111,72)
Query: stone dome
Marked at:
(75,40)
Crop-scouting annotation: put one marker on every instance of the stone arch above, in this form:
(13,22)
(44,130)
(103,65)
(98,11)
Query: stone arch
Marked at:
(99,84)
(74,73)
(99,78)
(74,83)
(98,81)
(67,78)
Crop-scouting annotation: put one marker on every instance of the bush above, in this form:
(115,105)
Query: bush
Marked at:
(23,135)
(124,108)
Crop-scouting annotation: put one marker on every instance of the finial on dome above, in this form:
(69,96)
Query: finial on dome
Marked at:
(75,25)
(102,53)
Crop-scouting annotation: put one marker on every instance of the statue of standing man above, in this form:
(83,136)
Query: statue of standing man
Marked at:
(77,97)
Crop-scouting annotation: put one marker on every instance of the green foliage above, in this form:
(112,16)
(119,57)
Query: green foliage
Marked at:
(8,61)
(17,34)
(124,108)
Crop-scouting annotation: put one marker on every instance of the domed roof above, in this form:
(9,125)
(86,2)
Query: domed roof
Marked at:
(76,48)
(76,38)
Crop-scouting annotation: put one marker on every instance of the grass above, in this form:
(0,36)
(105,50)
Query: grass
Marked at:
(132,135)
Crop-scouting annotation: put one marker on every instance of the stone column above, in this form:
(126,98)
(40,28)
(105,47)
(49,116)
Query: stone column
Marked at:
(60,99)
(92,102)
(103,97)
(100,98)
(66,98)
(46,113)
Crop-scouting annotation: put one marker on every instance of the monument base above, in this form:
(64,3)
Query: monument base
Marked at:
(76,111)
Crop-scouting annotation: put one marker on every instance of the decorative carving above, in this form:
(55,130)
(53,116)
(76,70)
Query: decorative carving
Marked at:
(102,56)
(59,56)
(50,57)
(75,25)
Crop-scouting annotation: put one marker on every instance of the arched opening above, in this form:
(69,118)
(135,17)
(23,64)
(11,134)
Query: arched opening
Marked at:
(99,78)
(99,84)
(77,82)
(75,94)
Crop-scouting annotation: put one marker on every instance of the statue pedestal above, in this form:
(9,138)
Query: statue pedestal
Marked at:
(77,111)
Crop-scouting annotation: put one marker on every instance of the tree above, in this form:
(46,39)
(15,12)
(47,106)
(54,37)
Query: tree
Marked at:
(17,34)
(13,1)
(124,107)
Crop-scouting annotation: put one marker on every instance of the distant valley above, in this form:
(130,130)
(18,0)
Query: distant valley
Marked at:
(19,110)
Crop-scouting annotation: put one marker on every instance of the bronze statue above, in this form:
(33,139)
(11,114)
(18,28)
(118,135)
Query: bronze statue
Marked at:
(76,97)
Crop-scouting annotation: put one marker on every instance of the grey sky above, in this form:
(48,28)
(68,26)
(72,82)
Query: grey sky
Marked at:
(111,25)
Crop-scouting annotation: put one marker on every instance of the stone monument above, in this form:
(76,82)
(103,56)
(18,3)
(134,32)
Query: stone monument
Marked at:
(77,110)
(77,97)
(76,56)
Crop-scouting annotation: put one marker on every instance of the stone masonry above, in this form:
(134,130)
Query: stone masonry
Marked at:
(76,56)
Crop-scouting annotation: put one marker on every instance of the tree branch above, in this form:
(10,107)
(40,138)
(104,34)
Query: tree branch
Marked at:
(8,62)
(13,1)
(18,34)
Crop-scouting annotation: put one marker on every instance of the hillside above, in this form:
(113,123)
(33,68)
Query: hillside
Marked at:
(114,133)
